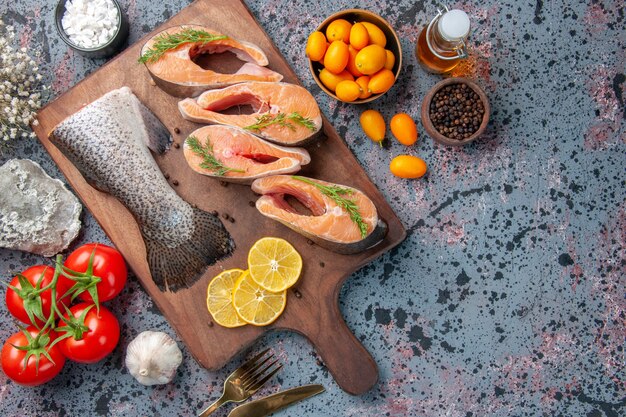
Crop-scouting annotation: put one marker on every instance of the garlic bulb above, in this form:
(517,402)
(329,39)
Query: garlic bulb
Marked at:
(153,358)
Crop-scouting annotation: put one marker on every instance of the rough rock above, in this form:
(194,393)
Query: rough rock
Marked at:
(37,213)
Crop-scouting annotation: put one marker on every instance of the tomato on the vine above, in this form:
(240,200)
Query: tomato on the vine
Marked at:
(24,300)
(33,366)
(108,265)
(87,336)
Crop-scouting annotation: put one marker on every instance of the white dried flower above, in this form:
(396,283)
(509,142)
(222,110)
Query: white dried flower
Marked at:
(20,89)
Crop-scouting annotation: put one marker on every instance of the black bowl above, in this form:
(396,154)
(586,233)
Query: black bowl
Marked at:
(102,51)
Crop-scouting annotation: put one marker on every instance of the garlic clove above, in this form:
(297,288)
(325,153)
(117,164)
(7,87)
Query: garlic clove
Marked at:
(153,358)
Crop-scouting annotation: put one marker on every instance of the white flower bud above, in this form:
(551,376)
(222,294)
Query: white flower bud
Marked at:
(19,87)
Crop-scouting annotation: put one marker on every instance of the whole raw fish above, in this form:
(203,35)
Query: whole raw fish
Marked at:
(108,142)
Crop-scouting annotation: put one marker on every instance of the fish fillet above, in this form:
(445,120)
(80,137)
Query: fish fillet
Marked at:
(108,142)
(177,73)
(268,101)
(329,224)
(241,156)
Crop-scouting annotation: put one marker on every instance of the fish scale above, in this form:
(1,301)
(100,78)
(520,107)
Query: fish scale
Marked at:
(108,142)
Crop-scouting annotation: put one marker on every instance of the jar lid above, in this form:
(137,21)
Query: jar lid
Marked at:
(454,25)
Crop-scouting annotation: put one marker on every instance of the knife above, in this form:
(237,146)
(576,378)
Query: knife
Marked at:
(267,405)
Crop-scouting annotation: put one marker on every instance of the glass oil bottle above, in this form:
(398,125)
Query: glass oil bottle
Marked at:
(441,45)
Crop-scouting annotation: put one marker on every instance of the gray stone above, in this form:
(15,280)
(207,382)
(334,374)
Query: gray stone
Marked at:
(37,213)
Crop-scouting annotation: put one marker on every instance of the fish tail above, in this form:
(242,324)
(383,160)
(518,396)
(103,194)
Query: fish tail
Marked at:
(175,268)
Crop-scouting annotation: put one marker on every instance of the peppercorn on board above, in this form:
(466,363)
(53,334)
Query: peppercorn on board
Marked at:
(314,312)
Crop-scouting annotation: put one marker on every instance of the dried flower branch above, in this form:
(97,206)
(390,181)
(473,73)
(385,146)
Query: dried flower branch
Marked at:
(20,89)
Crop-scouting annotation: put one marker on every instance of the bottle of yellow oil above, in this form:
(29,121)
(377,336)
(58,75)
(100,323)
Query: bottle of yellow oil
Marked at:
(441,45)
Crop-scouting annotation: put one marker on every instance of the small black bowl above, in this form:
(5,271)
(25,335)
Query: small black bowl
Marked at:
(102,51)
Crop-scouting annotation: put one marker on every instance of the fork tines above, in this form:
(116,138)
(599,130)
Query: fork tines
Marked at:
(257,372)
(254,360)
(246,380)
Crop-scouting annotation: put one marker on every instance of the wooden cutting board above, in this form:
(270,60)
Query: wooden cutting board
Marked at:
(314,313)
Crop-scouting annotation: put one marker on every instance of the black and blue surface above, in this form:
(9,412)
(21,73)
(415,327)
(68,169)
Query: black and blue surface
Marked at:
(508,296)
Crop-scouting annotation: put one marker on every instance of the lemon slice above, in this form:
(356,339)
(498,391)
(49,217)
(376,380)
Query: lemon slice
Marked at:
(274,264)
(219,298)
(256,305)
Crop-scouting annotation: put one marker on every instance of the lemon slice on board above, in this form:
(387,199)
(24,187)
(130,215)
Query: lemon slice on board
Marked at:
(219,299)
(256,305)
(274,264)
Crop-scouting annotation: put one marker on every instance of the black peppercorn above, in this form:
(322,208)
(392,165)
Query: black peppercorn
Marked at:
(456,111)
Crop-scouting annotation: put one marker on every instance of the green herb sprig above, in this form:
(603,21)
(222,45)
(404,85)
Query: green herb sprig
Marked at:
(337,194)
(209,161)
(282,119)
(167,41)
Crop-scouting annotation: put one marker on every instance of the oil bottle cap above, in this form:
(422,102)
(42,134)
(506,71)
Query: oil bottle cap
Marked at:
(454,25)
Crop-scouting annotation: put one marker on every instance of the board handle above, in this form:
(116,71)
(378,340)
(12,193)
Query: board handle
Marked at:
(346,358)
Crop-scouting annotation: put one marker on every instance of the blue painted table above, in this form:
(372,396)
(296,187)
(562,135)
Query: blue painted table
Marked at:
(508,296)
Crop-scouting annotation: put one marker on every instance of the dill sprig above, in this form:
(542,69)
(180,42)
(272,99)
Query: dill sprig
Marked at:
(167,41)
(209,161)
(282,119)
(337,194)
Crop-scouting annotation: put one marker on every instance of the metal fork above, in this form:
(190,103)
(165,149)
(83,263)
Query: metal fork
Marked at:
(245,381)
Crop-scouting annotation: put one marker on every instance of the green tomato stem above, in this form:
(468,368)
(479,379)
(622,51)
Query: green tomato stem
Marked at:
(53,293)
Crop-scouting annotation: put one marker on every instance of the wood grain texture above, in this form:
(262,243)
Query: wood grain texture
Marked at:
(316,314)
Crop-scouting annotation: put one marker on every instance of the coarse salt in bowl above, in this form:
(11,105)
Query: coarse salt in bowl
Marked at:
(94,28)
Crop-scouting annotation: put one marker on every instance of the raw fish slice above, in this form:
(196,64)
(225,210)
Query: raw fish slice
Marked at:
(177,73)
(244,156)
(329,225)
(108,142)
(268,101)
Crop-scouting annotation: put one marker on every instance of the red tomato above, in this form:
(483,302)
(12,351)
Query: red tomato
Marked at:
(108,264)
(13,359)
(15,303)
(100,334)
